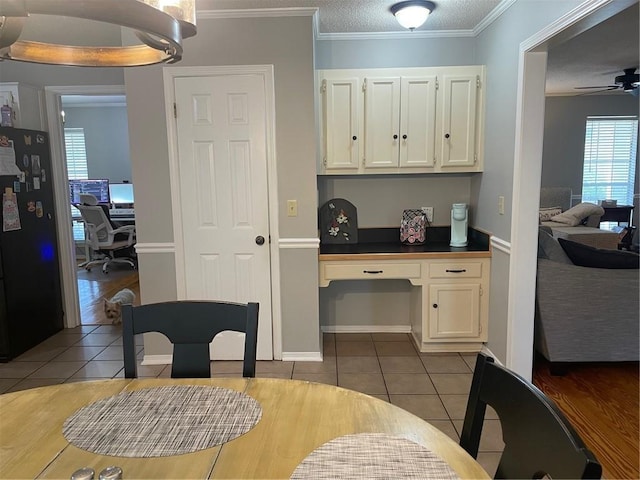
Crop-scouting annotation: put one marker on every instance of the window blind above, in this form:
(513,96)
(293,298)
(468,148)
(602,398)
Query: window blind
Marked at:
(76,168)
(76,153)
(610,159)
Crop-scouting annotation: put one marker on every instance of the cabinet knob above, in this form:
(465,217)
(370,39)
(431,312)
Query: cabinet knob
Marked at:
(404,137)
(446,135)
(354,138)
(435,305)
(395,137)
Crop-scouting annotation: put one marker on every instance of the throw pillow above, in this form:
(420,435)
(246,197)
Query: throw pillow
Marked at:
(548,212)
(575,215)
(549,248)
(588,256)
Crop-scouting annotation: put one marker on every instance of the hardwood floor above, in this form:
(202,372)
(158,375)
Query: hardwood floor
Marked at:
(602,402)
(95,286)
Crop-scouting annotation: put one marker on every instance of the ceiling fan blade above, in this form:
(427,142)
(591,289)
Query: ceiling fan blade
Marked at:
(597,91)
(610,87)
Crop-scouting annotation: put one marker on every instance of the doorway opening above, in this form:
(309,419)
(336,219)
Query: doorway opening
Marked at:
(90,142)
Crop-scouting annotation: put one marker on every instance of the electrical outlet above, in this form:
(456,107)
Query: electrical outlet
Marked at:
(292,208)
(501,205)
(428,211)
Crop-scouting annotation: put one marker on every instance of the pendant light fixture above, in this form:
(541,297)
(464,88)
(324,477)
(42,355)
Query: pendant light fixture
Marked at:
(412,13)
(161,25)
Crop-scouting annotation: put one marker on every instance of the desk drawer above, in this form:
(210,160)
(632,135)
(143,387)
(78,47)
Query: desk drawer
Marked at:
(455,270)
(372,271)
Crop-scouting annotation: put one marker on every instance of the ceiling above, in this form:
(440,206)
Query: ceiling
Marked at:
(594,57)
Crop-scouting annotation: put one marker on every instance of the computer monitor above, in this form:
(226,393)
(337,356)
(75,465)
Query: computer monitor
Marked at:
(98,188)
(121,193)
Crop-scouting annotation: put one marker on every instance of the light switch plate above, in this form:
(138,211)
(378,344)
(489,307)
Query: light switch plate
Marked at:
(292,208)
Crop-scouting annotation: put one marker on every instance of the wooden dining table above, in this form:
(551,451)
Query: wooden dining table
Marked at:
(297,418)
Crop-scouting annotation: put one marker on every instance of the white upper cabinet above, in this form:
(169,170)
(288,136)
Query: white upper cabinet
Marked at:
(381,121)
(341,114)
(418,121)
(409,120)
(458,131)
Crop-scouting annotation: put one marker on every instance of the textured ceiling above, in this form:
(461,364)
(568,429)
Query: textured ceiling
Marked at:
(593,58)
(349,16)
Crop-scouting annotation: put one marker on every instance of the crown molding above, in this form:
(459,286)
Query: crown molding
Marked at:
(404,35)
(493,16)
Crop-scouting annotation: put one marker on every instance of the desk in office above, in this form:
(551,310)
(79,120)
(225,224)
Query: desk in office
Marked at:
(123,215)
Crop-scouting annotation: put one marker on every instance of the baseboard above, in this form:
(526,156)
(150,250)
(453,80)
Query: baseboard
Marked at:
(301,357)
(157,360)
(366,328)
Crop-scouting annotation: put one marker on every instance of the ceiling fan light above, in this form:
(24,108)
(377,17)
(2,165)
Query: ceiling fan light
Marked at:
(412,13)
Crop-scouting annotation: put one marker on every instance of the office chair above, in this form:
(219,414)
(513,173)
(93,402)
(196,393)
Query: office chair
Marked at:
(105,237)
(538,439)
(191,327)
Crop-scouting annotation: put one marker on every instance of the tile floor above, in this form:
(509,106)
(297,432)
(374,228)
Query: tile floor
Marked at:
(432,386)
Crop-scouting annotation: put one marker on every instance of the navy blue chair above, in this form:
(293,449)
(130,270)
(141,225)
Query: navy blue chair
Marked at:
(539,440)
(191,327)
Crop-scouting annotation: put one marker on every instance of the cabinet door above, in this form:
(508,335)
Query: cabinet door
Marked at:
(458,130)
(341,124)
(381,122)
(454,311)
(417,121)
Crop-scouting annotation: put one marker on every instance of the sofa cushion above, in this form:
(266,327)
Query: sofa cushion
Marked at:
(549,248)
(587,256)
(575,215)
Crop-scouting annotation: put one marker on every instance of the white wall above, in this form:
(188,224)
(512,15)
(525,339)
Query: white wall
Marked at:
(286,43)
(106,140)
(497,47)
(564,131)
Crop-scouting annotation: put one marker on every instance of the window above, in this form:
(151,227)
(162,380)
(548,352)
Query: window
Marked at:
(610,159)
(76,153)
(76,168)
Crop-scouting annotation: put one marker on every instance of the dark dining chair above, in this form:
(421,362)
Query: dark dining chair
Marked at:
(191,327)
(538,438)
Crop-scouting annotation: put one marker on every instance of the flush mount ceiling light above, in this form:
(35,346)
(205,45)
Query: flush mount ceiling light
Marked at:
(412,13)
(160,24)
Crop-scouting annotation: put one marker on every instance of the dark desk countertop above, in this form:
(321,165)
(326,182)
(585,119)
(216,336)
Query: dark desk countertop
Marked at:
(384,243)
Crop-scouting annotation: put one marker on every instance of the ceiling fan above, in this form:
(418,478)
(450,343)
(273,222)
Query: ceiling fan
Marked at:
(628,82)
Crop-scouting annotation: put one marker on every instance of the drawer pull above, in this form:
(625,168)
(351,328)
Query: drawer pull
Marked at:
(373,271)
(456,271)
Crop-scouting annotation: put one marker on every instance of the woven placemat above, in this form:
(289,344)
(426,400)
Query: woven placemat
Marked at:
(372,456)
(162,421)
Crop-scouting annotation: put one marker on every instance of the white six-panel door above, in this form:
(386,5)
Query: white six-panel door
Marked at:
(224,206)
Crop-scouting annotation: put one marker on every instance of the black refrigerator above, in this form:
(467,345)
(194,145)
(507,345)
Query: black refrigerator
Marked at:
(30,286)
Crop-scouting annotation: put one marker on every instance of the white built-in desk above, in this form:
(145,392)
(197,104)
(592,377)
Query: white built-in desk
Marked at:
(449,307)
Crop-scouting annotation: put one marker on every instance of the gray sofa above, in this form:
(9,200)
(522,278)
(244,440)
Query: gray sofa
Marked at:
(584,314)
(587,232)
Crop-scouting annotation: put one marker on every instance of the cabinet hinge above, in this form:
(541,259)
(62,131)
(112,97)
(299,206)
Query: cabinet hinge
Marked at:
(324,162)
(478,81)
(437,84)
(481,292)
(364,161)
(364,85)
(323,87)
(475,158)
(480,327)
(175,110)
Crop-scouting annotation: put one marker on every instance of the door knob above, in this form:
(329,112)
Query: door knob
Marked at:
(260,240)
